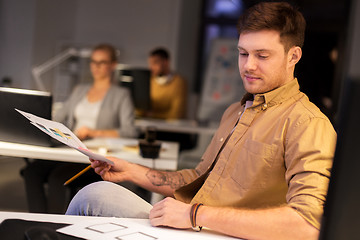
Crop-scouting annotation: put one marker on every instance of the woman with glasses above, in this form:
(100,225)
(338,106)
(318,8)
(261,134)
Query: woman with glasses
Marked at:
(96,109)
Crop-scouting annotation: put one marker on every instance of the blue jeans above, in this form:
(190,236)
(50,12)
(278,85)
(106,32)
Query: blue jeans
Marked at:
(107,199)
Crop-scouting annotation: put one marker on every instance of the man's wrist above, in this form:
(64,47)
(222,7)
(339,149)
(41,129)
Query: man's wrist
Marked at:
(134,172)
(193,215)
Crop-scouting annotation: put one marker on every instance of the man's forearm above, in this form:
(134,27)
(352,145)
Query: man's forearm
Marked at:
(162,182)
(277,223)
(162,178)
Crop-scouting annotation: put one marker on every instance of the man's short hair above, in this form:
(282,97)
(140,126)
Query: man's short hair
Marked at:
(160,52)
(278,16)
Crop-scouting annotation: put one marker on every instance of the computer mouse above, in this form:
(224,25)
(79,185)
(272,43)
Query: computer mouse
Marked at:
(41,233)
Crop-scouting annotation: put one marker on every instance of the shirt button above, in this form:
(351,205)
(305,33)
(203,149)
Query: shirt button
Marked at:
(264,106)
(221,139)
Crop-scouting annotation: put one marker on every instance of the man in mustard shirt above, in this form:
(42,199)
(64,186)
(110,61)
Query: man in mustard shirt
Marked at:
(266,171)
(168,90)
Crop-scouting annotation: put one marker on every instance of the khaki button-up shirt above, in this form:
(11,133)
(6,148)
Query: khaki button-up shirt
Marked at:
(280,153)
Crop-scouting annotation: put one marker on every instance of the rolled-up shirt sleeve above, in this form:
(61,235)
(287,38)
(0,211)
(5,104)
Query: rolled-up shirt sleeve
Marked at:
(309,156)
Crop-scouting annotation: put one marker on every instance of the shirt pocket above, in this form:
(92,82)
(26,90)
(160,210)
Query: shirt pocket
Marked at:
(253,164)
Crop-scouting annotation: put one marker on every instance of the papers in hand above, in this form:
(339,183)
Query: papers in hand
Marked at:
(61,133)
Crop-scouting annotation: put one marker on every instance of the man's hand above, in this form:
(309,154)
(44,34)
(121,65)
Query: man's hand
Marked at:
(172,213)
(116,173)
(142,176)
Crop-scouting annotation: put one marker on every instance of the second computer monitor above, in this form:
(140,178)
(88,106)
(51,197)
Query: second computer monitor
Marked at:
(138,81)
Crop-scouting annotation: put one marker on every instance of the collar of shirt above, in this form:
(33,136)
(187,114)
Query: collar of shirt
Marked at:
(162,80)
(273,97)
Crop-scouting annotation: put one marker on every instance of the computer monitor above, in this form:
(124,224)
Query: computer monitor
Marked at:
(16,128)
(138,81)
(341,218)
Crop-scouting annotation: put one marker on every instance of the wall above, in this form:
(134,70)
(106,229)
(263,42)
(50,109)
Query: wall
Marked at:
(16,40)
(54,23)
(34,31)
(135,27)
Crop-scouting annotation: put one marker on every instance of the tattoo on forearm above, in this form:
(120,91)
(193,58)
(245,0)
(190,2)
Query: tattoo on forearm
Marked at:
(159,178)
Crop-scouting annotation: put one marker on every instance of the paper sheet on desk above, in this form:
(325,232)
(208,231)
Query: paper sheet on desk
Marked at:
(61,133)
(134,229)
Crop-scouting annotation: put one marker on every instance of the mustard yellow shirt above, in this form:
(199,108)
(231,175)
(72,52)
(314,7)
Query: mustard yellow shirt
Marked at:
(168,101)
(280,153)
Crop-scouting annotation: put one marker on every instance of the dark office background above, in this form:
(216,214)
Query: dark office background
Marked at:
(318,72)
(33,31)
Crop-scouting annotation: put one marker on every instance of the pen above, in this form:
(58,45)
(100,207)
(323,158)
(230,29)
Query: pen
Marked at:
(77,175)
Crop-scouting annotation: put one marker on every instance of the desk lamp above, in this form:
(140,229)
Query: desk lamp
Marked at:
(56,60)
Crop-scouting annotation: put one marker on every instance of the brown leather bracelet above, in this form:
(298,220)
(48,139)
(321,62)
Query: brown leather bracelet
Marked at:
(193,211)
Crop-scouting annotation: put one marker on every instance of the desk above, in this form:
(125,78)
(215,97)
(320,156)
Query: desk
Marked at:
(167,159)
(179,126)
(143,224)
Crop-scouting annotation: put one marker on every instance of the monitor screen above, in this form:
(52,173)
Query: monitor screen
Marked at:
(138,81)
(13,126)
(341,218)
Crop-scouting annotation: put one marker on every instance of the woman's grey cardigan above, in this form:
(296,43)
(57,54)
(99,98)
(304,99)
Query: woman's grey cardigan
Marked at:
(116,112)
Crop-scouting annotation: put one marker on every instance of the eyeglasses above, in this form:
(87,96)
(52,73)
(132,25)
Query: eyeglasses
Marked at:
(99,63)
